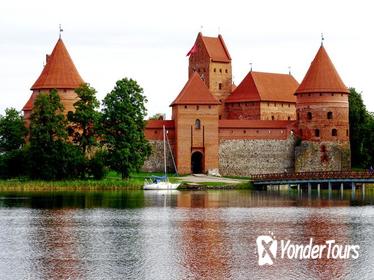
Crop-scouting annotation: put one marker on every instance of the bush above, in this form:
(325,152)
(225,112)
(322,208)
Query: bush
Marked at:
(96,166)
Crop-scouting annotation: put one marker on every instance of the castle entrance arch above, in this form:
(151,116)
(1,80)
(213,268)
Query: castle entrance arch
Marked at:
(197,162)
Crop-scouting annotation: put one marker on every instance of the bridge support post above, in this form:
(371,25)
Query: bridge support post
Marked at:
(298,189)
(363,191)
(309,190)
(319,190)
(330,190)
(353,190)
(341,190)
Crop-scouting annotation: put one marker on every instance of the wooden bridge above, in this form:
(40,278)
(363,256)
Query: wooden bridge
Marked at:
(313,177)
(318,180)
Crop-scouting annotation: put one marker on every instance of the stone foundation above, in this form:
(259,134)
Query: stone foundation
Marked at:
(155,163)
(322,156)
(246,157)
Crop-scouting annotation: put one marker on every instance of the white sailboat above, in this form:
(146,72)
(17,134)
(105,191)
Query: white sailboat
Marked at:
(160,182)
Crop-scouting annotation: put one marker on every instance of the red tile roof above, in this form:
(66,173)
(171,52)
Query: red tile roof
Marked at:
(259,86)
(322,76)
(254,124)
(216,48)
(59,72)
(160,123)
(195,92)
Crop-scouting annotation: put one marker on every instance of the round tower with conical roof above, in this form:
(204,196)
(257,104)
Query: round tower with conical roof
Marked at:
(323,118)
(58,73)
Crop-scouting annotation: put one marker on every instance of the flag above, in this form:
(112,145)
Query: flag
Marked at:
(192,50)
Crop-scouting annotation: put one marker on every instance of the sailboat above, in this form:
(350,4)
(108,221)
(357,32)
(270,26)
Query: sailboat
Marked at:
(161,182)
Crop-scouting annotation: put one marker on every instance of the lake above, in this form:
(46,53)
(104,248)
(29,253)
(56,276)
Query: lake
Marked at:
(182,234)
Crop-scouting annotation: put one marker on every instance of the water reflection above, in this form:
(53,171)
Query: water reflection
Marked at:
(178,234)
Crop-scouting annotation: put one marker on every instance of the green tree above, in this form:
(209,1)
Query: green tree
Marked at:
(123,127)
(12,130)
(50,156)
(361,132)
(83,122)
(12,139)
(157,116)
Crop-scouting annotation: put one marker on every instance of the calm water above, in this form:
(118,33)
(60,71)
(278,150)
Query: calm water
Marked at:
(179,234)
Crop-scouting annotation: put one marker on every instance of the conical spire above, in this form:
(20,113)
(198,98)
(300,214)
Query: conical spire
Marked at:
(59,72)
(195,92)
(322,76)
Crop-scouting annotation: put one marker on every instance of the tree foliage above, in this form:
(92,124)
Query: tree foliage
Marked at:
(83,122)
(123,127)
(51,157)
(361,131)
(12,130)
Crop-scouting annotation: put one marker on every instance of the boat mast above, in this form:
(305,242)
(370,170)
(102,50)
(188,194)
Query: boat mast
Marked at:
(163,128)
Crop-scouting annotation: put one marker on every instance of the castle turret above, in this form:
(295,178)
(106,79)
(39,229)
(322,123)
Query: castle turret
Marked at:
(59,73)
(195,113)
(210,58)
(323,118)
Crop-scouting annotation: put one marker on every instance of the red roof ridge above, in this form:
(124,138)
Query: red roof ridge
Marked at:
(215,47)
(264,86)
(322,76)
(59,71)
(195,92)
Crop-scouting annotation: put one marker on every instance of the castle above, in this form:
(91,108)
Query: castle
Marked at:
(268,123)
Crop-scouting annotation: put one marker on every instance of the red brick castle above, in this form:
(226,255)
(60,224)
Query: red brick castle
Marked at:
(268,123)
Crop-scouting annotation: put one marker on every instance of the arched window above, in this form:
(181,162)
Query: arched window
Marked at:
(197,124)
(272,117)
(309,116)
(316,132)
(329,115)
(334,132)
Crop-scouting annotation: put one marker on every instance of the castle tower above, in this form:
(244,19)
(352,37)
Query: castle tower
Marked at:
(323,118)
(210,58)
(195,114)
(59,73)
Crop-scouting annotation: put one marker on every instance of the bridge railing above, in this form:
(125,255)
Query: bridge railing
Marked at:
(313,175)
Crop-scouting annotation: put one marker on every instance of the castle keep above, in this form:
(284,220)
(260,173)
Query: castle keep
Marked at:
(268,123)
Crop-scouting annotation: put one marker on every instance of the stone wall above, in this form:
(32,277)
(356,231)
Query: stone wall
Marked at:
(246,157)
(155,163)
(322,156)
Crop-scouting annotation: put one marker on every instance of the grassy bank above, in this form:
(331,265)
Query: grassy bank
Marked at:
(112,181)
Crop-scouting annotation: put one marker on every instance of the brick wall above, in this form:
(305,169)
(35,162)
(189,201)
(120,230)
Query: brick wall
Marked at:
(246,157)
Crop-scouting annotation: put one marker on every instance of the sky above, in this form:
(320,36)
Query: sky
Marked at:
(148,41)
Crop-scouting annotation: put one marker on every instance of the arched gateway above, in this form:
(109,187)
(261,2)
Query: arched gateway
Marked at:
(197,162)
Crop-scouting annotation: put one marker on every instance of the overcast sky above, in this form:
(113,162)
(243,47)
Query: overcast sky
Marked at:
(148,41)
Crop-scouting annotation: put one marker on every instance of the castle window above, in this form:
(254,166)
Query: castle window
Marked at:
(220,86)
(316,132)
(64,90)
(275,104)
(197,124)
(272,118)
(185,106)
(268,104)
(244,131)
(332,94)
(309,116)
(226,71)
(197,107)
(320,94)
(214,69)
(329,115)
(282,105)
(334,132)
(220,70)
(288,105)
(155,131)
(220,117)
(289,118)
(209,106)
